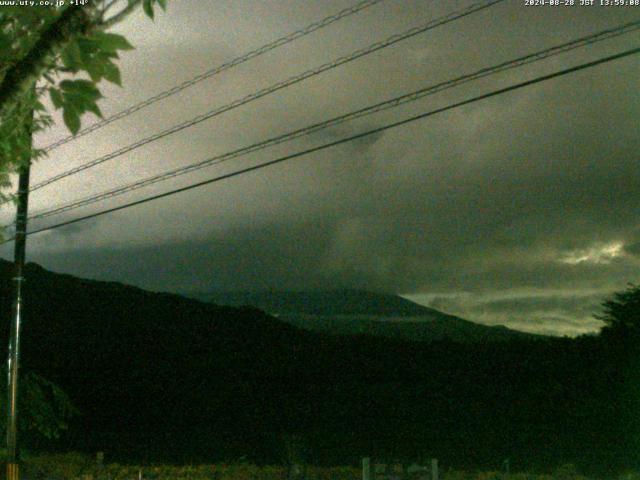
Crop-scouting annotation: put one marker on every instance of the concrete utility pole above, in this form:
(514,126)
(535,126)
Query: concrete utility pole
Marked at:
(13,360)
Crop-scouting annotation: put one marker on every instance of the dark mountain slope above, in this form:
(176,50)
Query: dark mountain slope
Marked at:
(125,355)
(159,377)
(357,312)
(328,302)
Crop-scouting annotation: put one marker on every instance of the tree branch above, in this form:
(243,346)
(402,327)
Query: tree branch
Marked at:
(107,6)
(121,15)
(22,76)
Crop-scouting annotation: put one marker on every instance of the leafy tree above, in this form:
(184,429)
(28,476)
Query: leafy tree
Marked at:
(64,52)
(45,408)
(61,51)
(621,314)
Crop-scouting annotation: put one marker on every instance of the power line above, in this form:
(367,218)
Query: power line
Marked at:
(275,87)
(493,93)
(388,104)
(325,22)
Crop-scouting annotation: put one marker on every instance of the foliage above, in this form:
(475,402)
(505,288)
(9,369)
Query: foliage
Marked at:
(564,472)
(621,314)
(73,465)
(59,466)
(45,408)
(567,472)
(76,466)
(63,52)
(630,476)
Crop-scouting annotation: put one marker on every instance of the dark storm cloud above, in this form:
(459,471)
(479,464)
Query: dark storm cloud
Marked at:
(535,190)
(430,220)
(74,230)
(254,259)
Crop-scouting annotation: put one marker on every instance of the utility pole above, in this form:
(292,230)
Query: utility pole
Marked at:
(13,360)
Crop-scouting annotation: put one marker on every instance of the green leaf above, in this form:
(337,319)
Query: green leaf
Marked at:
(147,6)
(71,56)
(112,42)
(88,49)
(93,108)
(71,119)
(77,85)
(95,71)
(85,89)
(56,98)
(5,53)
(111,73)
(39,107)
(163,4)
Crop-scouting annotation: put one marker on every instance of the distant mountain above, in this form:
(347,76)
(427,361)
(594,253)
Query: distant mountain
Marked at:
(327,302)
(148,370)
(357,312)
(162,378)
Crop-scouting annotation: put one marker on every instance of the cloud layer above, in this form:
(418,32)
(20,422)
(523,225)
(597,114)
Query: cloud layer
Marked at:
(519,210)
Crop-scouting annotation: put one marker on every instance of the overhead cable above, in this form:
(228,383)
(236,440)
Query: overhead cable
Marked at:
(341,141)
(274,88)
(325,22)
(388,104)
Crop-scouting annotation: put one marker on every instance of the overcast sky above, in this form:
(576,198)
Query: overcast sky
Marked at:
(519,210)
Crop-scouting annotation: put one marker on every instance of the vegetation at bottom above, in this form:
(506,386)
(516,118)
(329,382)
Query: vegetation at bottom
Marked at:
(82,467)
(77,466)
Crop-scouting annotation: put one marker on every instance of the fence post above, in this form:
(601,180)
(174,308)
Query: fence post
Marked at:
(434,469)
(366,468)
(506,466)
